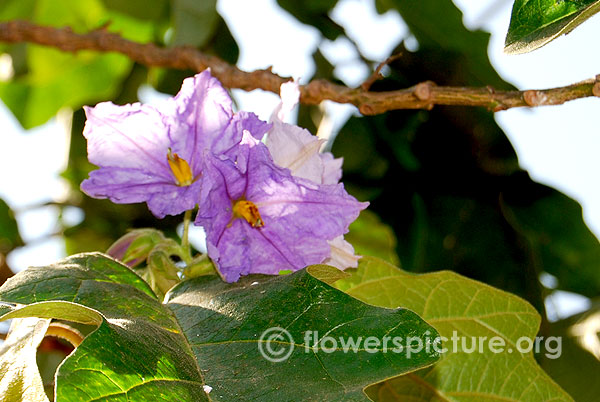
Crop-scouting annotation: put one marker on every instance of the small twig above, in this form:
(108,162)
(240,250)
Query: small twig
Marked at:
(377,73)
(422,96)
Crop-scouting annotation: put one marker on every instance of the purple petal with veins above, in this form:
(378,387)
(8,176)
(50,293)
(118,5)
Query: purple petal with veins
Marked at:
(131,145)
(299,216)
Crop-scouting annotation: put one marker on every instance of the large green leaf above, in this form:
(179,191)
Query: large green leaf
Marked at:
(454,304)
(535,23)
(562,244)
(223,323)
(20,379)
(138,348)
(142,351)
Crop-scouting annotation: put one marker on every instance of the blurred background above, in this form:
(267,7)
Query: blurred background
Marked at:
(511,199)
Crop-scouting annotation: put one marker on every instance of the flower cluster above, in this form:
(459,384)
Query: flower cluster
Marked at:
(267,198)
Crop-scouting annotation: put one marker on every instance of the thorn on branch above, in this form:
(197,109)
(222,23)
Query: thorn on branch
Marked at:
(104,26)
(377,73)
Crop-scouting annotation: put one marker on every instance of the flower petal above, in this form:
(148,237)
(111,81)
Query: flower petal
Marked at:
(296,148)
(332,168)
(129,136)
(342,254)
(202,111)
(290,96)
(130,145)
(242,122)
(299,216)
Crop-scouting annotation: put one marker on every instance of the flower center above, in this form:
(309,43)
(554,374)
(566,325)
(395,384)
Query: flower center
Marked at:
(247,210)
(180,169)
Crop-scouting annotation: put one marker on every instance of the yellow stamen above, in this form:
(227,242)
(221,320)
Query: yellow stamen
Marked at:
(247,210)
(180,169)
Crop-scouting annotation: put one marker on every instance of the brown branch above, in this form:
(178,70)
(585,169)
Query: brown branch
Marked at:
(421,96)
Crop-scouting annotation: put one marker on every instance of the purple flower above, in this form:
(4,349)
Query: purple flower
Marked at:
(297,149)
(157,155)
(259,218)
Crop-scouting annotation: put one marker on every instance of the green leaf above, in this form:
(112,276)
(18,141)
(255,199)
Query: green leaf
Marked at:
(576,367)
(223,44)
(315,13)
(326,274)
(453,303)
(137,352)
(224,322)
(153,248)
(16,9)
(39,283)
(194,21)
(58,80)
(139,349)
(370,236)
(562,244)
(358,146)
(9,231)
(534,23)
(134,247)
(141,9)
(20,379)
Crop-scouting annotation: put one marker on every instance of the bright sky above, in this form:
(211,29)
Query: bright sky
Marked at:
(557,145)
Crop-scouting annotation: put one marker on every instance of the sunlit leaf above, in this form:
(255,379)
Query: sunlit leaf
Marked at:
(534,23)
(138,350)
(225,321)
(20,379)
(457,306)
(142,351)
(370,236)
